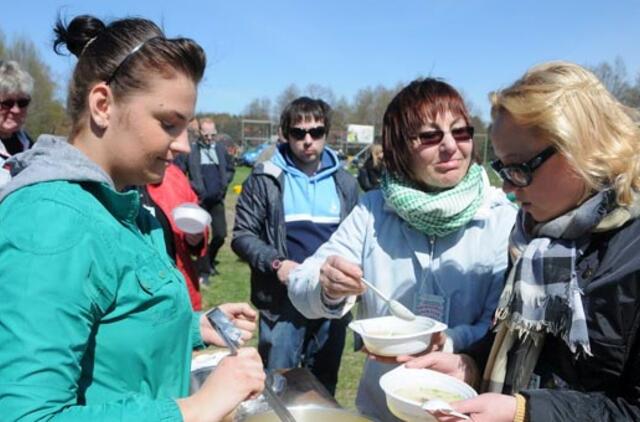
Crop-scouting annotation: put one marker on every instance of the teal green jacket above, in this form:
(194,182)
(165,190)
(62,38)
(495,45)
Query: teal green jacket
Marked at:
(95,321)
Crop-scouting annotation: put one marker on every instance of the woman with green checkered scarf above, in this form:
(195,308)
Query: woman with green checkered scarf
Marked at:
(434,236)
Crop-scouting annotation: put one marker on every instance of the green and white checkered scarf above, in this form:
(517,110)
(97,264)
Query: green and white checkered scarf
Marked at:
(436,213)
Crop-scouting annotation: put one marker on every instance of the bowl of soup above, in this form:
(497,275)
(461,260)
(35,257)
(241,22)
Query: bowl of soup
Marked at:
(407,389)
(392,336)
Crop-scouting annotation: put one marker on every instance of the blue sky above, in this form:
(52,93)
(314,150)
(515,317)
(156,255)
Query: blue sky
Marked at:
(257,48)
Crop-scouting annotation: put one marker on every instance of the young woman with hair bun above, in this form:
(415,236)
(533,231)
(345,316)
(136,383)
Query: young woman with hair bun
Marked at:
(96,321)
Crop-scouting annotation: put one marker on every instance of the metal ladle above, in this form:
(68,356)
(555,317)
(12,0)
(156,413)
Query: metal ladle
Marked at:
(219,321)
(396,308)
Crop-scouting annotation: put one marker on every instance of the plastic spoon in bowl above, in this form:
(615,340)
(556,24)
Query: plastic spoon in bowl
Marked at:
(396,308)
(437,405)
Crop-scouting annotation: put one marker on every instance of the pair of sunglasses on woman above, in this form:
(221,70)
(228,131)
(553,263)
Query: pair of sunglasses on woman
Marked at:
(519,175)
(10,103)
(435,136)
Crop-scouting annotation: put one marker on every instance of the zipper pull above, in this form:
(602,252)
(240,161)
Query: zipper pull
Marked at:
(432,243)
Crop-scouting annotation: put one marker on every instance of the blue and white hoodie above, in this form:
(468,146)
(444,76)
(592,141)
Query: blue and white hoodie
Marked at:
(311,203)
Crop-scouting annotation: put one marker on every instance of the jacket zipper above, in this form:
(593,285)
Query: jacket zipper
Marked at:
(432,243)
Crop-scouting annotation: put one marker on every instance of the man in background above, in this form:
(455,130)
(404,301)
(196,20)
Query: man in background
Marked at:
(289,206)
(206,165)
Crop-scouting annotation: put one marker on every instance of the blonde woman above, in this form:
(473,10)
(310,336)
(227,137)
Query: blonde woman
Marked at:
(566,345)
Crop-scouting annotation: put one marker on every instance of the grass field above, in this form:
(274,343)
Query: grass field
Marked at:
(232,285)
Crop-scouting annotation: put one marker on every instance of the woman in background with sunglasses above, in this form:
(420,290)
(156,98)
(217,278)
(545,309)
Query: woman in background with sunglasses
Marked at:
(566,345)
(16,86)
(434,237)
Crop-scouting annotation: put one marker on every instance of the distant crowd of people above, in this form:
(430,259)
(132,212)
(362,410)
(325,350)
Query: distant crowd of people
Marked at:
(101,309)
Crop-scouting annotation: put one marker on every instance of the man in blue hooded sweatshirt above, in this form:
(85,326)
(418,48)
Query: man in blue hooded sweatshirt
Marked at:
(289,206)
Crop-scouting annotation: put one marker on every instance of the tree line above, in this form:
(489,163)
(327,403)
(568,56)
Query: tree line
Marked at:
(47,112)
(369,103)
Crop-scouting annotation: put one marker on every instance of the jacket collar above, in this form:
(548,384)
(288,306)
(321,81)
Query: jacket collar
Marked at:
(124,206)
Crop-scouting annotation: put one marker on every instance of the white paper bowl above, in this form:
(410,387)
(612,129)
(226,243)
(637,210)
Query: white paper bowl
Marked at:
(401,383)
(190,218)
(392,336)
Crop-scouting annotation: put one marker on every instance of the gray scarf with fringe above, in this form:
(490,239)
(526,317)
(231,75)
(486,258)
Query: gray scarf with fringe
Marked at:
(541,295)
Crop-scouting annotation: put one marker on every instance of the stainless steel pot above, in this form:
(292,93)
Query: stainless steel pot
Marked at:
(300,391)
(310,413)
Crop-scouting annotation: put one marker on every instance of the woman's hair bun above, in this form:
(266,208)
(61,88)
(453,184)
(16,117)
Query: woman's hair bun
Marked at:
(77,34)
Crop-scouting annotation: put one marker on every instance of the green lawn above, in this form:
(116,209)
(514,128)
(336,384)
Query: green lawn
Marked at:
(232,285)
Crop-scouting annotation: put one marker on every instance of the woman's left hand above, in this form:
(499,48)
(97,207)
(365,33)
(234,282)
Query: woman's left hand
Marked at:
(489,407)
(242,315)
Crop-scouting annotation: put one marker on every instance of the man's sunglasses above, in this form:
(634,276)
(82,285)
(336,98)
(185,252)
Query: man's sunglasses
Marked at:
(8,104)
(460,134)
(521,175)
(299,134)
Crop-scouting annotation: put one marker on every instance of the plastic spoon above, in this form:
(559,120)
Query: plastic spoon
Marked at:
(396,308)
(437,405)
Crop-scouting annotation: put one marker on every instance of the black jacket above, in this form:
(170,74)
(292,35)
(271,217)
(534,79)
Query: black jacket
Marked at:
(18,142)
(213,190)
(369,176)
(605,386)
(259,235)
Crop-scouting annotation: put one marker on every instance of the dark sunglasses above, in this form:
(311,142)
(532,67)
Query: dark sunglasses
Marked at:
(8,104)
(299,134)
(521,175)
(460,134)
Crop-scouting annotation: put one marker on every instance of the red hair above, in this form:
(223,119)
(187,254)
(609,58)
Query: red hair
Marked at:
(415,105)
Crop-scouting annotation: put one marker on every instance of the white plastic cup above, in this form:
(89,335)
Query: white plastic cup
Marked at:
(190,218)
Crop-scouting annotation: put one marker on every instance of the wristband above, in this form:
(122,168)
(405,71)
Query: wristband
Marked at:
(276,264)
(521,408)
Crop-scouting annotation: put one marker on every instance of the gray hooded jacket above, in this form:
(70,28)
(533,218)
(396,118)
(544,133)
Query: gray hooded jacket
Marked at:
(52,158)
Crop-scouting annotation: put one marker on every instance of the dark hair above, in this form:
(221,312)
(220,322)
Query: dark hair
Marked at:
(304,109)
(416,104)
(122,53)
